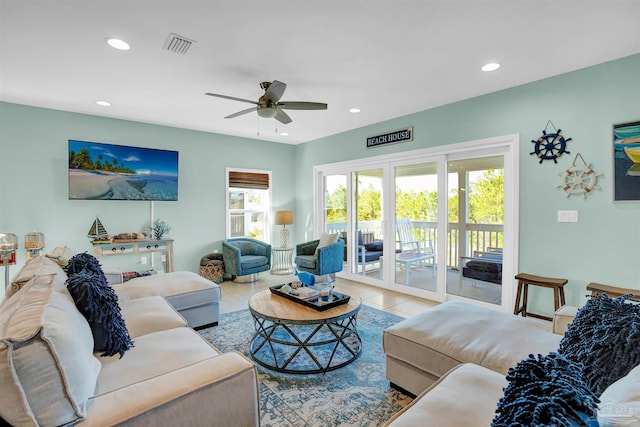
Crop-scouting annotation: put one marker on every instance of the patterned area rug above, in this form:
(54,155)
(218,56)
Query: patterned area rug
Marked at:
(355,395)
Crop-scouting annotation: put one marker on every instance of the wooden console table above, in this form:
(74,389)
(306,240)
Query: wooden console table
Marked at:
(612,291)
(138,246)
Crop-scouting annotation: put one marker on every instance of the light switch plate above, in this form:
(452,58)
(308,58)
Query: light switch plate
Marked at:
(567,216)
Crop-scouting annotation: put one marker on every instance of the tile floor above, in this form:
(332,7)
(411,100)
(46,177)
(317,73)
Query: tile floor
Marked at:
(235,296)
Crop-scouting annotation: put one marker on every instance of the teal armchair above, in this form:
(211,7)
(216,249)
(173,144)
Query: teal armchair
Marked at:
(244,258)
(327,260)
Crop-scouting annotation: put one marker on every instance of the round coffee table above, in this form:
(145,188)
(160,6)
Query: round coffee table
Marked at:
(296,339)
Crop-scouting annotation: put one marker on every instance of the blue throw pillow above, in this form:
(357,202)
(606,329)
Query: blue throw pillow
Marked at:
(84,261)
(98,303)
(376,245)
(605,338)
(546,391)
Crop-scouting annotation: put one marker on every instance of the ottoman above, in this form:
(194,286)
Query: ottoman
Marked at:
(194,297)
(421,349)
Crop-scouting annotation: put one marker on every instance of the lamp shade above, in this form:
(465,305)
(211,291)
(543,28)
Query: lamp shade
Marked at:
(284,217)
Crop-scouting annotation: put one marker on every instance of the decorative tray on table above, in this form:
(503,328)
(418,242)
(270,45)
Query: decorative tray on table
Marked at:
(309,296)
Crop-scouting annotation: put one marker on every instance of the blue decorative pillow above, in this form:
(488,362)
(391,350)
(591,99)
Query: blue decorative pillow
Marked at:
(376,245)
(605,338)
(98,303)
(84,261)
(546,391)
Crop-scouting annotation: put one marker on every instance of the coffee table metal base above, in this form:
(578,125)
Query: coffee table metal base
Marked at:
(325,345)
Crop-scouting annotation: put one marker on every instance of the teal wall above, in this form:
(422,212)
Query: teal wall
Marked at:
(604,246)
(33,181)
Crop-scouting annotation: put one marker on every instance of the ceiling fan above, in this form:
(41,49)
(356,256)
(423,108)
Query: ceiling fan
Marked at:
(268,106)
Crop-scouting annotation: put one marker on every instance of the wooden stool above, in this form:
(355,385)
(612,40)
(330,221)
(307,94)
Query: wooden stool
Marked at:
(524,280)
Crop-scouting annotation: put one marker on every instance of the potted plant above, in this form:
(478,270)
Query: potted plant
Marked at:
(160,228)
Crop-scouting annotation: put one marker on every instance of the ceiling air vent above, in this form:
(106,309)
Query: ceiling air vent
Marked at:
(178,44)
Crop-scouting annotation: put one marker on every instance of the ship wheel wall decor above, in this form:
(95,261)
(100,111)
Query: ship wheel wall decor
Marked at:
(550,146)
(579,180)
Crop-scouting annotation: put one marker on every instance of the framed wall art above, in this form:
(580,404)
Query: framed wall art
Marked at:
(626,161)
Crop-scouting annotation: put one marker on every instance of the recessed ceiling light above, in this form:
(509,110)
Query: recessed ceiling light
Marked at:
(491,66)
(118,44)
(284,134)
(103,103)
(354,110)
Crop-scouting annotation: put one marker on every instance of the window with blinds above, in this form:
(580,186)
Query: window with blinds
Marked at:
(258,181)
(248,204)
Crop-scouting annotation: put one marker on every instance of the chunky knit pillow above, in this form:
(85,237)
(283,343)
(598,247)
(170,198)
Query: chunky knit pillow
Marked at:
(546,391)
(98,303)
(605,338)
(84,261)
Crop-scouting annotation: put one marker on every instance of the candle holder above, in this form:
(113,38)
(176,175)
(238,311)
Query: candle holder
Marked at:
(34,244)
(8,246)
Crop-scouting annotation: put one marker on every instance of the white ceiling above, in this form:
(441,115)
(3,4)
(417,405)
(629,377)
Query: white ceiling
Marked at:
(389,58)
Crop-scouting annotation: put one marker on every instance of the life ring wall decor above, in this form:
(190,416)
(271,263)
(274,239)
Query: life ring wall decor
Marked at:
(579,180)
(550,146)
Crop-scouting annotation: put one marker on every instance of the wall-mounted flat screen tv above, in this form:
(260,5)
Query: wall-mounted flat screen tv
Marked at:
(99,171)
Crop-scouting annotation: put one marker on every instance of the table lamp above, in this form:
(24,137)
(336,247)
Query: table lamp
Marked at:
(283,218)
(8,246)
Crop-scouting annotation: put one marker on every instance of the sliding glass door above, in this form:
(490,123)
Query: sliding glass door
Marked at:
(476,228)
(353,210)
(439,224)
(416,220)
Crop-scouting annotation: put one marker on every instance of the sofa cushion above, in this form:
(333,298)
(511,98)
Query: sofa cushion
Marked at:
(442,337)
(465,396)
(546,390)
(149,314)
(605,338)
(307,261)
(47,367)
(248,262)
(98,303)
(376,245)
(168,284)
(620,402)
(61,255)
(155,354)
(38,266)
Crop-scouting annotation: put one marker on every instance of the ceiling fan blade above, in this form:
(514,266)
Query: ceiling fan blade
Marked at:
(282,117)
(239,113)
(294,105)
(233,98)
(274,91)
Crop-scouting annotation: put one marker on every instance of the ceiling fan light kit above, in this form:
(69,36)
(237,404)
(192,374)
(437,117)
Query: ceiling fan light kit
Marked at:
(268,105)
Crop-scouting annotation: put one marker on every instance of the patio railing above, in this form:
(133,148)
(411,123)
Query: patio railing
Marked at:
(480,237)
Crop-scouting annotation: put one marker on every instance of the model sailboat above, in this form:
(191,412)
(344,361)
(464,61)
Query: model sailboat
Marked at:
(98,233)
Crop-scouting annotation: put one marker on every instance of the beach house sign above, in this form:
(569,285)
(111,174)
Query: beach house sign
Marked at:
(401,135)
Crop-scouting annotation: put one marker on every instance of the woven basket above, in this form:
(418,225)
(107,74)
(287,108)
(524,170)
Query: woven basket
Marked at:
(213,271)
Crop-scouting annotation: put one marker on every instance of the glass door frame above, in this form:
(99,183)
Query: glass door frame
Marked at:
(349,169)
(506,146)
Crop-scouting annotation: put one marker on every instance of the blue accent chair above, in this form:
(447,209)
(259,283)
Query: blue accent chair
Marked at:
(244,258)
(328,260)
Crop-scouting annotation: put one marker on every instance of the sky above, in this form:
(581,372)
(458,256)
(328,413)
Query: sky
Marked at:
(142,160)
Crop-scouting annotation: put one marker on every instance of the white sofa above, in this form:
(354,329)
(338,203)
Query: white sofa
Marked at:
(455,357)
(49,375)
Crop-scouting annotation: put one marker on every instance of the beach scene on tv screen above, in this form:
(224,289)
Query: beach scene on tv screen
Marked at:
(99,171)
